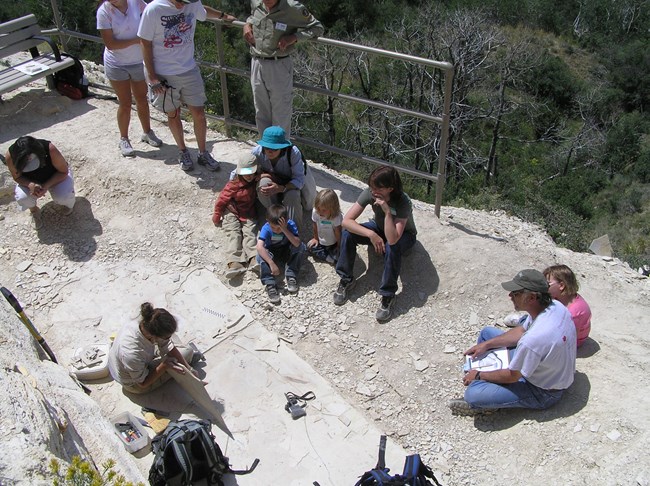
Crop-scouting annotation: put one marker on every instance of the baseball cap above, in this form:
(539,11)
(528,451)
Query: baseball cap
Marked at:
(528,279)
(246,164)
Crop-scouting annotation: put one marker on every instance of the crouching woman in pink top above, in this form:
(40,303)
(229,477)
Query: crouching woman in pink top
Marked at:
(563,286)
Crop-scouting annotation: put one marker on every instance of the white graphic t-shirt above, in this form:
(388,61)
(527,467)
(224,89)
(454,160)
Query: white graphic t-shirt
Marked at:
(171,31)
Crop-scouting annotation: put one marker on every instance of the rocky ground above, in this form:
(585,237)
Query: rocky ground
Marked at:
(148,215)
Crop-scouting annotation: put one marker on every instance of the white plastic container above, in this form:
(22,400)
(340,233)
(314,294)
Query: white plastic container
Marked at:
(90,362)
(131,432)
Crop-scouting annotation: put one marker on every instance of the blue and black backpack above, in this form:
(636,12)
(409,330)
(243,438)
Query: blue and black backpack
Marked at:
(186,453)
(415,472)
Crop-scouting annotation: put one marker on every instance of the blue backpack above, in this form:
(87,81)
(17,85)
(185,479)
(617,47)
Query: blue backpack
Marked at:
(415,472)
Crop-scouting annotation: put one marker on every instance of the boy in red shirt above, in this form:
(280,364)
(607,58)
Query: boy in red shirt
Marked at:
(234,211)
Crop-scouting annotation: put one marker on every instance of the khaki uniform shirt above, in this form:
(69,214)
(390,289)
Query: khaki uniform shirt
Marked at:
(286,18)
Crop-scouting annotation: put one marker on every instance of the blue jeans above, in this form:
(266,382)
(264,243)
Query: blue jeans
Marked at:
(521,394)
(322,252)
(290,254)
(392,257)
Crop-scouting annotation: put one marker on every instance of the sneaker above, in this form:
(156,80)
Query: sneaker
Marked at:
(125,148)
(151,139)
(459,406)
(272,292)
(515,319)
(206,159)
(197,356)
(292,285)
(234,269)
(385,310)
(185,160)
(341,294)
(36,220)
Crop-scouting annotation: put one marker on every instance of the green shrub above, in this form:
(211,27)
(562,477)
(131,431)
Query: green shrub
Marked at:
(83,473)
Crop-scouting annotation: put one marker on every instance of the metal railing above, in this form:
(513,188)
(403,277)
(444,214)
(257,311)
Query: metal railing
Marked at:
(224,69)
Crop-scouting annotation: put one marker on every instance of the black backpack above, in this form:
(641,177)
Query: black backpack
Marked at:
(289,152)
(72,81)
(186,453)
(415,472)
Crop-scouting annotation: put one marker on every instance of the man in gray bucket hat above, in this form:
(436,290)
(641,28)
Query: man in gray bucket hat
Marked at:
(544,359)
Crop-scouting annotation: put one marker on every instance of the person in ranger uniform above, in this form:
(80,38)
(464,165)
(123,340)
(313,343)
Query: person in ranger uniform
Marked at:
(272,30)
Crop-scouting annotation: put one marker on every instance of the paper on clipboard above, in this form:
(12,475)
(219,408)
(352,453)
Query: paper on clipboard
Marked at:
(32,67)
(495,359)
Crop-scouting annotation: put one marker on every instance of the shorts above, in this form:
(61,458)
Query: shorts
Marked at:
(133,72)
(185,88)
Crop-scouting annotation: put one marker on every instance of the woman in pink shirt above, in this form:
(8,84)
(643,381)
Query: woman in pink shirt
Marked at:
(563,286)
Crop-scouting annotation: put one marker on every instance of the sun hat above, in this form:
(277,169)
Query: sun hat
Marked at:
(528,279)
(274,138)
(246,164)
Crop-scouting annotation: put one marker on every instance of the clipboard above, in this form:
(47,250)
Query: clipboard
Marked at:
(495,359)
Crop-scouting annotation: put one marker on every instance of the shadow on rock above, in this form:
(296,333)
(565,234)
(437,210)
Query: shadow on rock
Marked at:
(348,192)
(470,232)
(37,109)
(418,276)
(588,348)
(75,233)
(172,401)
(575,398)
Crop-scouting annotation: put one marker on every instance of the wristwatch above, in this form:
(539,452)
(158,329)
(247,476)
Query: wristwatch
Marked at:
(478,375)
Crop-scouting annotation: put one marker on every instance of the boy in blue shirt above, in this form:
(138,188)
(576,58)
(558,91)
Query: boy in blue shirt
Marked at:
(278,241)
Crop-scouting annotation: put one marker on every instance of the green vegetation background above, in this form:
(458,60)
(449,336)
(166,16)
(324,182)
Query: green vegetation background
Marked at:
(550,102)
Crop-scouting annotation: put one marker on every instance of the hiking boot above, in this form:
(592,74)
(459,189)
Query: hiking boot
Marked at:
(292,285)
(341,293)
(385,310)
(36,220)
(234,269)
(185,160)
(460,407)
(125,148)
(151,139)
(272,292)
(206,159)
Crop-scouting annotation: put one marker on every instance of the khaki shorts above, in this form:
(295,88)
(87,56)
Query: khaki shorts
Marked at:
(134,72)
(185,88)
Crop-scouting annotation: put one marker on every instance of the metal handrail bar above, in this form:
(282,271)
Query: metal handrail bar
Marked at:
(445,66)
(331,148)
(334,94)
(224,69)
(73,33)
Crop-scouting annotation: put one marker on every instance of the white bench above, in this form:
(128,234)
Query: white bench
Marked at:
(24,34)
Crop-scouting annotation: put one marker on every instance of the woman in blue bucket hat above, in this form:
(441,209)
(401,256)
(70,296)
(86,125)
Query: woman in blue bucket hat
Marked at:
(286,179)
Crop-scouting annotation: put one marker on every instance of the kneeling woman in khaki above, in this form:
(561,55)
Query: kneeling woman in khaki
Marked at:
(143,353)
